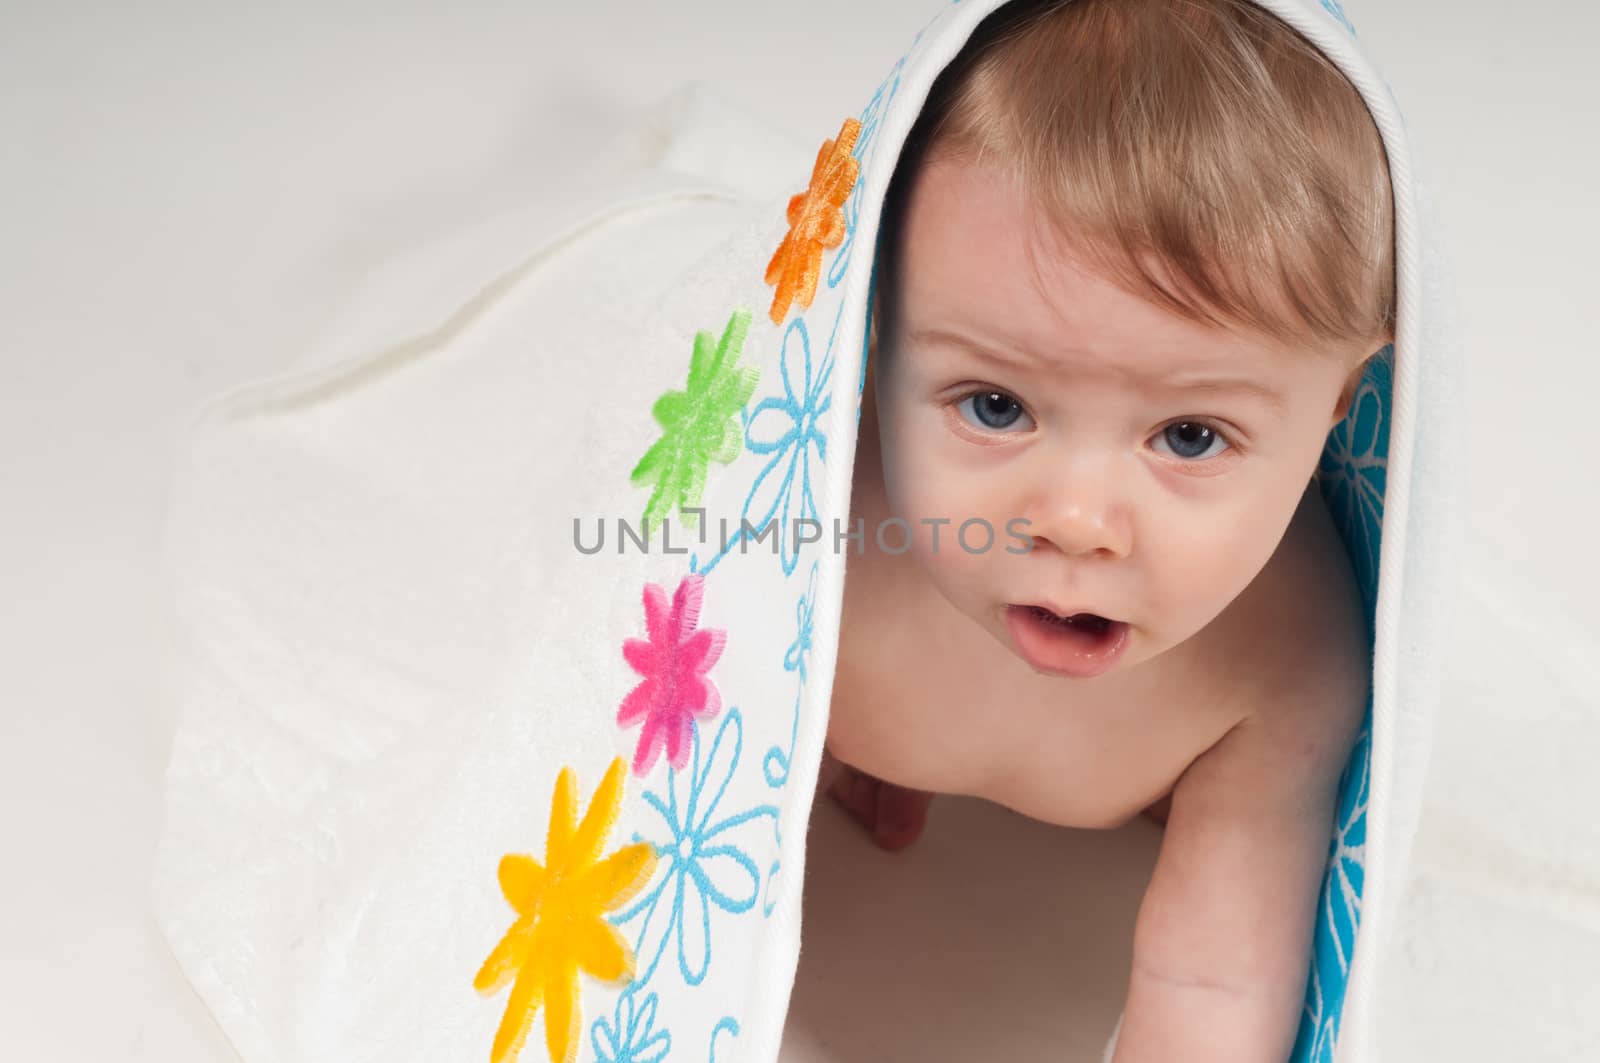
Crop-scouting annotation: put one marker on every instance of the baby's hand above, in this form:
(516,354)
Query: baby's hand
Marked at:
(893,815)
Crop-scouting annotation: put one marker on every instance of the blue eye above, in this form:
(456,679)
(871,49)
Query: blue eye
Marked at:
(991,411)
(1192,440)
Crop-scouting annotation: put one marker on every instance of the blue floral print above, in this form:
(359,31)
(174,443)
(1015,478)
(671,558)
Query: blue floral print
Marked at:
(704,865)
(629,1037)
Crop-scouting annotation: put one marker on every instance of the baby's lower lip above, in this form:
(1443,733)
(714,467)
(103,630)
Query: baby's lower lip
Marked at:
(1050,646)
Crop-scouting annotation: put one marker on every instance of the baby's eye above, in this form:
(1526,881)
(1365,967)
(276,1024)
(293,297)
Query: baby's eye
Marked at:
(1192,440)
(991,411)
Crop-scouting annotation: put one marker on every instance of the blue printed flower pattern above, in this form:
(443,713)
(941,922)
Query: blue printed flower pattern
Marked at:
(865,150)
(1353,472)
(704,868)
(1317,1028)
(704,865)
(1341,894)
(789,428)
(1339,907)
(775,765)
(629,1037)
(728,1023)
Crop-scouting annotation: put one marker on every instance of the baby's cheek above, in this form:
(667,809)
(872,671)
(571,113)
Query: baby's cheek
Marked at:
(911,484)
(917,456)
(1204,566)
(956,566)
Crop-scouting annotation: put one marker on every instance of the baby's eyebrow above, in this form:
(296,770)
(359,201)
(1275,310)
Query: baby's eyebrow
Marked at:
(1020,359)
(1221,385)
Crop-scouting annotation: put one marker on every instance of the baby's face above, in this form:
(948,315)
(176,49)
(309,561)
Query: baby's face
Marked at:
(1157,461)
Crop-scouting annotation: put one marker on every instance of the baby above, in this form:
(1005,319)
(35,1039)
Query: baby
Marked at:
(1134,258)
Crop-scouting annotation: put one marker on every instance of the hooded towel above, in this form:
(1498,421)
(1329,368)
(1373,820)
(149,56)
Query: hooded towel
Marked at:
(461,767)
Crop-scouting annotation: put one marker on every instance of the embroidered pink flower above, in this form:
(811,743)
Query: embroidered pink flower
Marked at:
(674,660)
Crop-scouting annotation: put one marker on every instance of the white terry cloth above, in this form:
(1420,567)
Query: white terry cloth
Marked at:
(388,650)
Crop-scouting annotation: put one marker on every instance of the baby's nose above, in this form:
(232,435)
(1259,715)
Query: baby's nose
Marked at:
(1083,518)
(1078,533)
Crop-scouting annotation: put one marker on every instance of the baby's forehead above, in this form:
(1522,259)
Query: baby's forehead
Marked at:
(1066,315)
(975,264)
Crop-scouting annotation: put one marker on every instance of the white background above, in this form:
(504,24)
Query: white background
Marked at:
(191,190)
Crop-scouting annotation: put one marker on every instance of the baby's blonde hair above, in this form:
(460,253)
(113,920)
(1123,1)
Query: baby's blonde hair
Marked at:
(1201,152)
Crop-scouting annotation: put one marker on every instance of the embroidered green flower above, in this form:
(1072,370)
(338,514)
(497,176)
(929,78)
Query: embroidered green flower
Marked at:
(699,424)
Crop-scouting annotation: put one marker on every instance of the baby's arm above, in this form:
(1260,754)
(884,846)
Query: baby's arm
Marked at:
(1222,945)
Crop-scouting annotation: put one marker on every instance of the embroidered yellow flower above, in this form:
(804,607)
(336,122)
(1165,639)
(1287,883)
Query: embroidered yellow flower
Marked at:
(560,926)
(816,221)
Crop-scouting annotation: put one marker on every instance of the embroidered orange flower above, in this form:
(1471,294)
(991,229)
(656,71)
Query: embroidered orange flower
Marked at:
(560,926)
(816,222)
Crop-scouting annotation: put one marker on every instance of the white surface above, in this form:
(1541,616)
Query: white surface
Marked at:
(192,192)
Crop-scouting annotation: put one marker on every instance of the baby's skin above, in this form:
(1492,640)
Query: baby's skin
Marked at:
(1228,694)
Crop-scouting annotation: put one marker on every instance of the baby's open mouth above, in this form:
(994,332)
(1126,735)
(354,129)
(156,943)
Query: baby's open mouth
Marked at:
(1087,623)
(1079,644)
